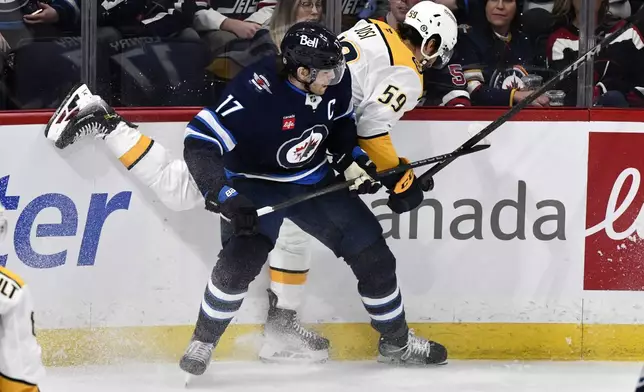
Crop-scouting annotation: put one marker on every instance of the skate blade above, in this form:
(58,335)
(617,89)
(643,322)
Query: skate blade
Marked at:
(411,364)
(74,101)
(270,353)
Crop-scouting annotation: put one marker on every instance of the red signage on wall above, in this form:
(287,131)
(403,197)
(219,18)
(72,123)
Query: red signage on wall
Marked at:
(614,249)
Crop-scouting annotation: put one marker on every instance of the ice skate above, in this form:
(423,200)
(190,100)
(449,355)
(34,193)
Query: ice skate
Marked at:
(81,114)
(196,359)
(417,351)
(287,341)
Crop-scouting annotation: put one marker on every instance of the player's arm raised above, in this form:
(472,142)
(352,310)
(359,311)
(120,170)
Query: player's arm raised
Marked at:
(208,137)
(395,95)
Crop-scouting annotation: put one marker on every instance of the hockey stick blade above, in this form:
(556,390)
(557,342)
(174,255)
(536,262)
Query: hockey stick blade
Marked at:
(426,178)
(346,184)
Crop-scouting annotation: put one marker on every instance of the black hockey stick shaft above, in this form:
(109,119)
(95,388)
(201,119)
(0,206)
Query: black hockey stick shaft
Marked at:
(346,184)
(425,179)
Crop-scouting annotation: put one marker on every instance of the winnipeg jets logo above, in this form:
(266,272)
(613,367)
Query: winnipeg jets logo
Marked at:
(11,5)
(299,151)
(509,78)
(261,83)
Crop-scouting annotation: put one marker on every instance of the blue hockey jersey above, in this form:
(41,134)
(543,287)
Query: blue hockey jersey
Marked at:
(264,127)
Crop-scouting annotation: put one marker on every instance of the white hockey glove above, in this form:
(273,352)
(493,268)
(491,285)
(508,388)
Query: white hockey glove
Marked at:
(362,171)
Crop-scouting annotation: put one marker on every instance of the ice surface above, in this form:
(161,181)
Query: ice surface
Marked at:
(457,376)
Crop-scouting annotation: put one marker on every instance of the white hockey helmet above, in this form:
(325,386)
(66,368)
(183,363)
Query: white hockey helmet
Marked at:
(436,21)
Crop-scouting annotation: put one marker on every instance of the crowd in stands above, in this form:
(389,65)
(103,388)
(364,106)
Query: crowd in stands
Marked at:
(182,52)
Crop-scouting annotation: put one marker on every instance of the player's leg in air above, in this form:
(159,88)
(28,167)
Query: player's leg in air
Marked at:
(21,367)
(82,114)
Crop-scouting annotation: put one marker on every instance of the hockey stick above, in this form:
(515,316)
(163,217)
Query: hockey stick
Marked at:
(346,184)
(426,181)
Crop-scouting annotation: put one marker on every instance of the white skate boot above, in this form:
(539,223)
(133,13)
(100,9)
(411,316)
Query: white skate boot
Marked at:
(287,341)
(81,114)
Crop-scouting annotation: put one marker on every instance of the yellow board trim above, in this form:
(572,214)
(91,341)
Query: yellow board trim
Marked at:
(10,385)
(137,151)
(13,276)
(353,341)
(288,277)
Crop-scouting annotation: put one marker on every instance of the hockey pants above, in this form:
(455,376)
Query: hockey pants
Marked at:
(171,181)
(341,222)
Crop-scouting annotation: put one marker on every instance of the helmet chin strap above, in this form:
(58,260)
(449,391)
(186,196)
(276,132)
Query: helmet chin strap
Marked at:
(307,85)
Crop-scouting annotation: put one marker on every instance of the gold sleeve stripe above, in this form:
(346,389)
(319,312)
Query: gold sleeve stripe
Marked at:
(288,277)
(137,152)
(381,151)
(514,90)
(15,278)
(8,384)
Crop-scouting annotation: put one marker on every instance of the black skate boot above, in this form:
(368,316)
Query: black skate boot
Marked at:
(286,340)
(413,350)
(81,114)
(197,357)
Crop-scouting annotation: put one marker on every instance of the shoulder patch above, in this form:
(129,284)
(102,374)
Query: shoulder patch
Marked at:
(260,83)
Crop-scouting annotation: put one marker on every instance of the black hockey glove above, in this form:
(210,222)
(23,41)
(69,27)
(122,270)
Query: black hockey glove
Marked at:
(359,167)
(235,208)
(405,192)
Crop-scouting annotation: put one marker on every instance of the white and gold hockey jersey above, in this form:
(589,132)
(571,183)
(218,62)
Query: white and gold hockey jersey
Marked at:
(386,84)
(21,366)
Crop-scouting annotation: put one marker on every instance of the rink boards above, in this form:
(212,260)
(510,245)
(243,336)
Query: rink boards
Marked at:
(530,249)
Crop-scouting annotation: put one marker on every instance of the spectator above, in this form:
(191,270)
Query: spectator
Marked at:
(239,53)
(615,68)
(495,57)
(397,11)
(218,29)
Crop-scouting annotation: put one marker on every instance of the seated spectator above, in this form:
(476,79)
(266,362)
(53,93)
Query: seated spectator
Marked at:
(615,68)
(65,14)
(496,56)
(220,26)
(239,53)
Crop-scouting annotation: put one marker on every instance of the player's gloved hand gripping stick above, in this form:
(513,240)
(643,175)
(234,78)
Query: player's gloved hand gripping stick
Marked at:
(348,183)
(426,181)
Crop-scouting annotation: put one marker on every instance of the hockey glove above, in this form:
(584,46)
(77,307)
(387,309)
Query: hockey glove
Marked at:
(405,192)
(234,208)
(359,168)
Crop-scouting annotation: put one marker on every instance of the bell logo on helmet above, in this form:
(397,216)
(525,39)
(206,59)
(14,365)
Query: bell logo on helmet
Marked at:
(306,41)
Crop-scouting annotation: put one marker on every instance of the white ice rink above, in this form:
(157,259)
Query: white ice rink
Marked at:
(457,376)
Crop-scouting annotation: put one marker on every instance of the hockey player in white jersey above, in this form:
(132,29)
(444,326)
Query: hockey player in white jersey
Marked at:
(386,67)
(21,367)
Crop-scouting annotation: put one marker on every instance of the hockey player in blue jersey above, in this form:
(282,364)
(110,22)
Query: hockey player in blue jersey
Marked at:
(264,142)
(302,99)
